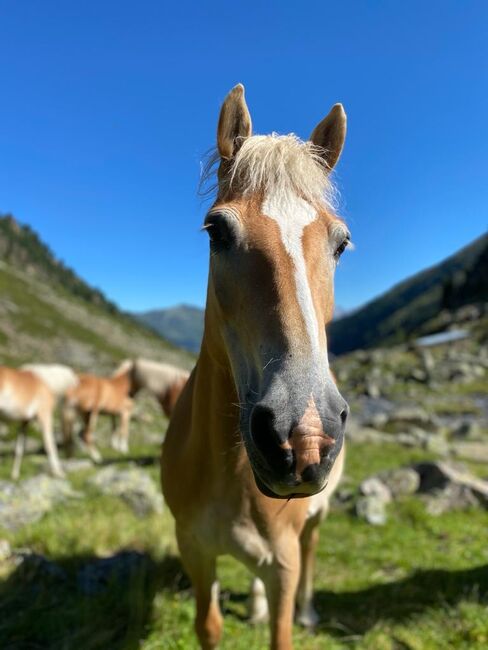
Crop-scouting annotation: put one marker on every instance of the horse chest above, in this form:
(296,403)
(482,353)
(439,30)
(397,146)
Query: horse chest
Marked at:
(11,408)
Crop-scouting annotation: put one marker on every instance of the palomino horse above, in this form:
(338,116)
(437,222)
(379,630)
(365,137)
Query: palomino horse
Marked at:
(163,380)
(255,445)
(23,398)
(94,395)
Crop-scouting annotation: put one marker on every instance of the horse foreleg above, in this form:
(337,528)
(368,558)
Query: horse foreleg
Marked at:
(306,614)
(87,436)
(46,422)
(281,585)
(202,571)
(19,451)
(124,428)
(258,603)
(68,416)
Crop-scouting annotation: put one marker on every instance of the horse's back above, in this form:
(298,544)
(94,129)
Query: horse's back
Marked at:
(57,377)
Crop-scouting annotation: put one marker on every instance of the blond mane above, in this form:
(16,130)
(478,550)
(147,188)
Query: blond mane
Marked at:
(278,165)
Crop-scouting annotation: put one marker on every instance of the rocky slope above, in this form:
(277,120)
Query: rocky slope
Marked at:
(430,301)
(49,314)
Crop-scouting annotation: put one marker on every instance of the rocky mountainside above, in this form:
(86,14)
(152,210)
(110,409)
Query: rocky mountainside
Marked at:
(428,302)
(49,314)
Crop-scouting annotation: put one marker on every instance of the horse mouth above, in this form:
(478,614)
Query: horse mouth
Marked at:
(297,491)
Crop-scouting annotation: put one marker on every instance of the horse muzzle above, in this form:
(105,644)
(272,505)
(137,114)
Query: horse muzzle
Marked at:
(294,462)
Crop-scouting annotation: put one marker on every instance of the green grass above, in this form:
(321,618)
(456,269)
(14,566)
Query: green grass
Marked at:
(418,582)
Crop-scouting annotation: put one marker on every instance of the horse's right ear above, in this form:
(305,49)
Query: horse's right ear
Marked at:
(234,123)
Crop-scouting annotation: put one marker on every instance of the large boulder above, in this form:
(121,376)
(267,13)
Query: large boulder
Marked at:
(133,485)
(26,502)
(371,505)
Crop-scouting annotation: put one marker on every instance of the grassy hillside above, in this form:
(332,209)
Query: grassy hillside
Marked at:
(182,325)
(47,313)
(424,303)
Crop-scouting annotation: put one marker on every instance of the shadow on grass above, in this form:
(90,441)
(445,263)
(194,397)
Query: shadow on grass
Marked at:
(84,601)
(91,603)
(356,612)
(347,613)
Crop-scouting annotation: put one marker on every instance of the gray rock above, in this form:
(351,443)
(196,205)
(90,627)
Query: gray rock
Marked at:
(133,485)
(376,420)
(436,444)
(474,451)
(401,481)
(372,389)
(26,502)
(452,497)
(466,430)
(374,487)
(372,509)
(413,416)
(439,475)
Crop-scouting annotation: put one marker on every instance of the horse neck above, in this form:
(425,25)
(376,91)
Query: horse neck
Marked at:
(122,381)
(215,400)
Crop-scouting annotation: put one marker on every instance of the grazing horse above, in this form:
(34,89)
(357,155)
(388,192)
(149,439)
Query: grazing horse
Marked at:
(94,395)
(163,380)
(24,398)
(57,377)
(255,444)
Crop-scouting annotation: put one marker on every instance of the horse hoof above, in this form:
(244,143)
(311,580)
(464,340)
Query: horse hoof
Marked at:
(308,618)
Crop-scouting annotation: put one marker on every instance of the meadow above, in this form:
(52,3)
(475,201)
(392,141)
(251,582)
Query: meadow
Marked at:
(418,582)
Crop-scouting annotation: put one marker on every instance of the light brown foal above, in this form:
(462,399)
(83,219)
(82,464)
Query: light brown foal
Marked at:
(90,397)
(24,397)
(255,444)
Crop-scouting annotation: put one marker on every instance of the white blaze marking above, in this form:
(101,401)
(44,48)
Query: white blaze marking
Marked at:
(293,214)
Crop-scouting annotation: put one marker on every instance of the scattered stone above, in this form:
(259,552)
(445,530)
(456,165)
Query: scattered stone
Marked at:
(412,416)
(133,485)
(371,505)
(439,475)
(372,509)
(466,430)
(452,497)
(474,451)
(26,502)
(401,481)
(436,444)
(375,487)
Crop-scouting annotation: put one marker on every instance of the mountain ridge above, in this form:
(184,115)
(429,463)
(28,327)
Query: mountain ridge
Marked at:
(49,314)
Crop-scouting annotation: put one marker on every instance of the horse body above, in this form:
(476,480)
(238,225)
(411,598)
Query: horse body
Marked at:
(255,444)
(57,377)
(163,380)
(95,395)
(25,397)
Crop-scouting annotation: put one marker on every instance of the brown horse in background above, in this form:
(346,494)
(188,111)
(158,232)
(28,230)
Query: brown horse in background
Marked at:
(93,396)
(255,445)
(24,397)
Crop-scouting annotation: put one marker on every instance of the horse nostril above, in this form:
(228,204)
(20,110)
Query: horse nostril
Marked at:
(266,437)
(344,414)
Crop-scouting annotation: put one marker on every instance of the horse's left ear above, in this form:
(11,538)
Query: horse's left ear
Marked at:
(234,123)
(330,135)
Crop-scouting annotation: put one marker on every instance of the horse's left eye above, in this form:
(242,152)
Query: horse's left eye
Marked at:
(219,234)
(342,248)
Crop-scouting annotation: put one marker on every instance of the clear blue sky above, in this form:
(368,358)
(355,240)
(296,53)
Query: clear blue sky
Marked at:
(107,108)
